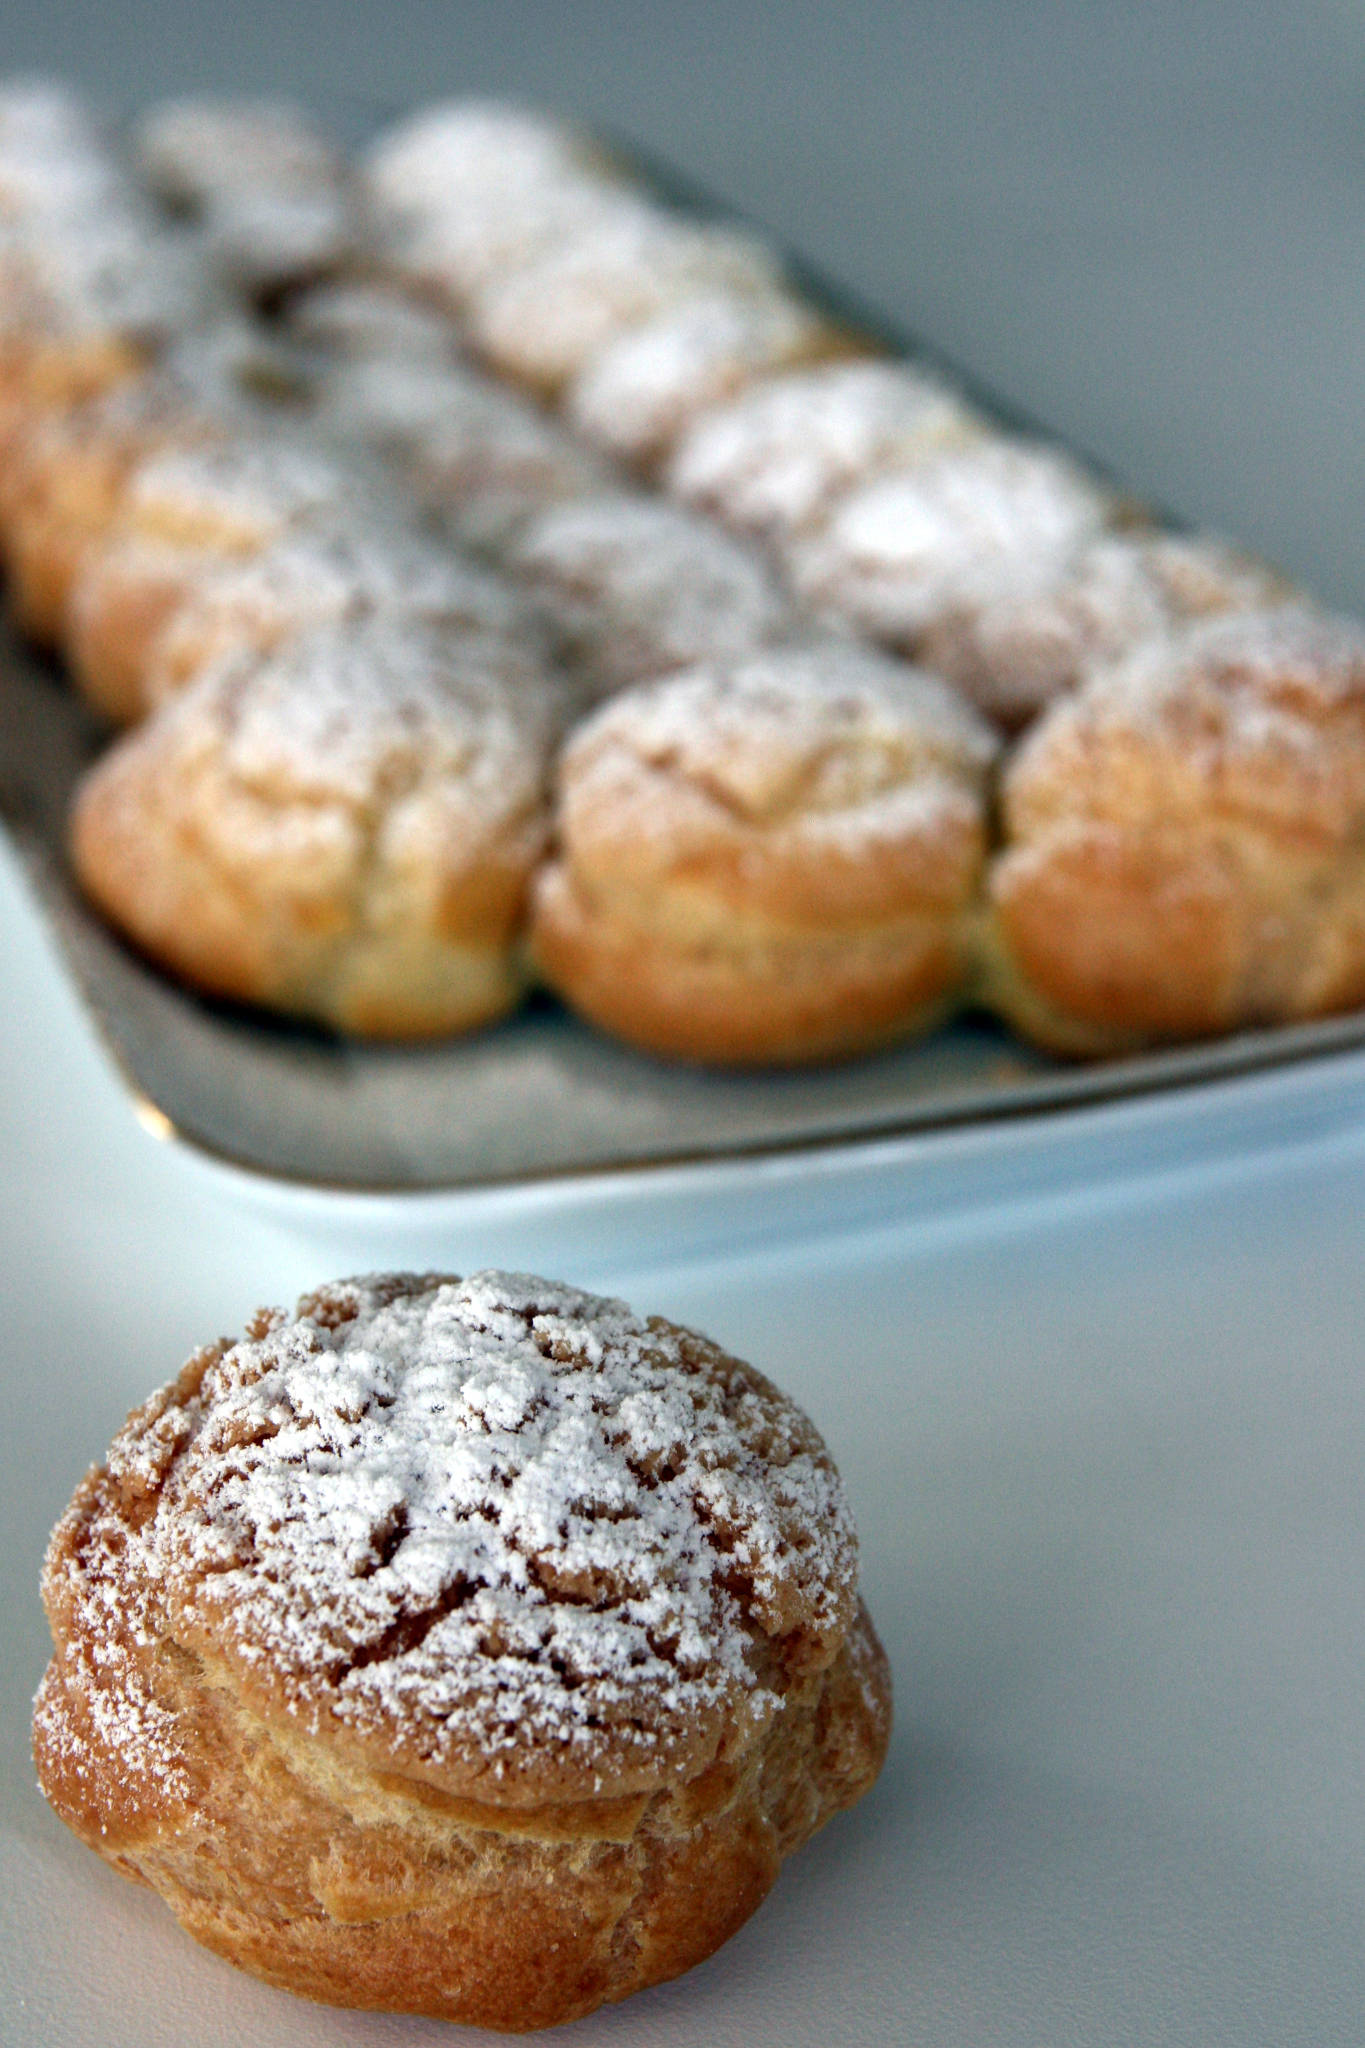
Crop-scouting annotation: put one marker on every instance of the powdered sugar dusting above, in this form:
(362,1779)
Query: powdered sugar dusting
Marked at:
(1253,691)
(468,153)
(772,460)
(1019,646)
(97,1713)
(367,711)
(491,1520)
(547,320)
(634,588)
(1258,717)
(106,273)
(843,745)
(636,397)
(240,493)
(795,705)
(197,151)
(897,554)
(311,579)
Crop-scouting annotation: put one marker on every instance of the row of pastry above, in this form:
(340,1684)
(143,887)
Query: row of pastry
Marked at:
(1176,836)
(883,497)
(773,841)
(333,794)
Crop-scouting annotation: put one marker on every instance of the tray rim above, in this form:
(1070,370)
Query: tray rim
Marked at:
(1054,1097)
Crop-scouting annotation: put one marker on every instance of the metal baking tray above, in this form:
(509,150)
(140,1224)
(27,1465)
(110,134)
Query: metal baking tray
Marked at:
(537,1097)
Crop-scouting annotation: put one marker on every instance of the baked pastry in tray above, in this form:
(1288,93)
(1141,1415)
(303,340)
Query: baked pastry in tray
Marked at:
(180,512)
(1183,841)
(631,588)
(343,829)
(152,532)
(334,578)
(472,1648)
(1043,632)
(768,861)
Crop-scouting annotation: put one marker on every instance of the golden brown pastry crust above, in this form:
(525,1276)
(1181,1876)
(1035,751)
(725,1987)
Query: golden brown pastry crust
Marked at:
(41,374)
(209,1746)
(895,556)
(768,862)
(65,483)
(121,598)
(1016,649)
(343,830)
(782,1000)
(1182,841)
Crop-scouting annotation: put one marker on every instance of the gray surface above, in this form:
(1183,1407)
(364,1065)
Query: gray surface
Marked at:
(1105,1453)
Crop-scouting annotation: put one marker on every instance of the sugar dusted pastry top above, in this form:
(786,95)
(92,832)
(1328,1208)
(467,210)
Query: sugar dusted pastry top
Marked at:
(896,554)
(461,152)
(311,579)
(109,273)
(40,116)
(236,494)
(776,457)
(369,710)
(642,391)
(468,189)
(268,191)
(1256,720)
(50,185)
(634,587)
(198,150)
(1015,648)
(56,164)
(504,1535)
(814,783)
(545,322)
(480,456)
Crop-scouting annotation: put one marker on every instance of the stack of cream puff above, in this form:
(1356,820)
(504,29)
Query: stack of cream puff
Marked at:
(815,674)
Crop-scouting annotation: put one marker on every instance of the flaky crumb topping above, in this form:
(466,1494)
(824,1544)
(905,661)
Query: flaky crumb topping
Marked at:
(514,1533)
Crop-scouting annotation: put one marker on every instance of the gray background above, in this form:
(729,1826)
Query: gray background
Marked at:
(1141,222)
